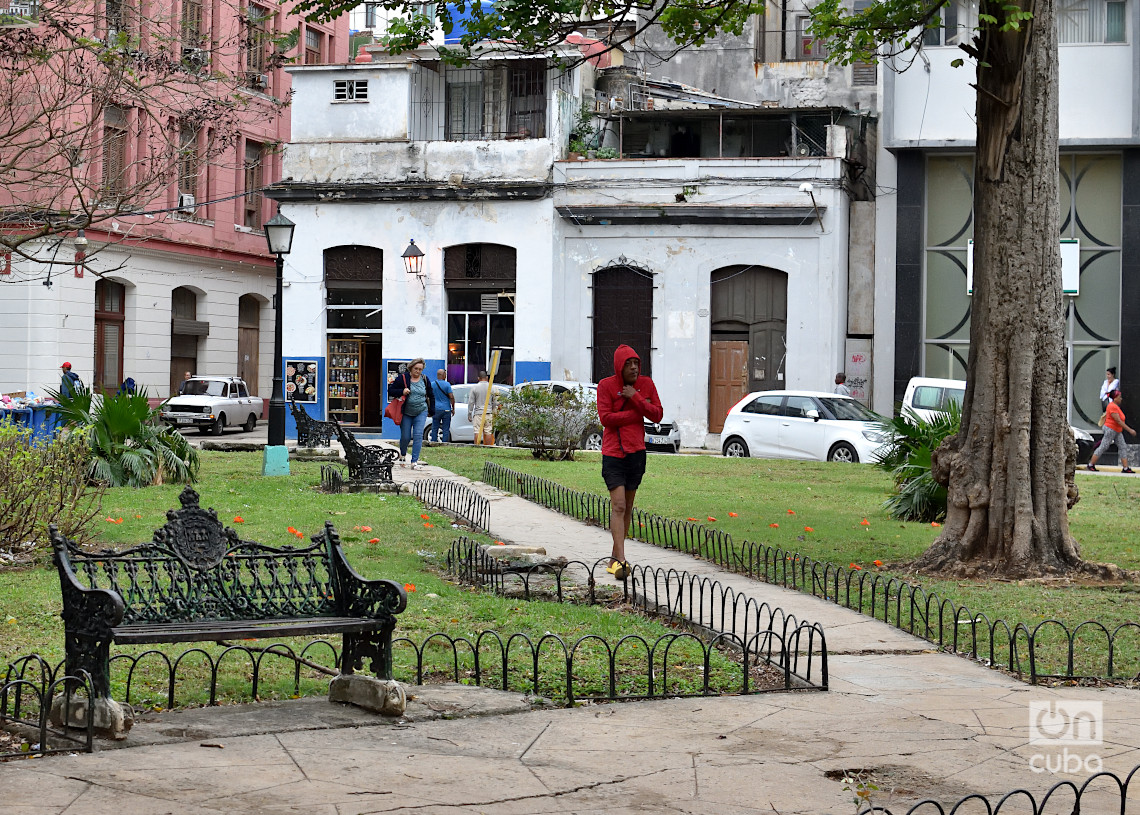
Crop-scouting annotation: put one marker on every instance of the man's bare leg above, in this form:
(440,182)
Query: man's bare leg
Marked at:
(621,514)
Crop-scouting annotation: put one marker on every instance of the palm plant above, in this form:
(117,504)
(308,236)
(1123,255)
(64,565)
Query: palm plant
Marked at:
(129,444)
(907,457)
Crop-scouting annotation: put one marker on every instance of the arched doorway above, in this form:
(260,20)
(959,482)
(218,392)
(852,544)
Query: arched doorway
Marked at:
(746,345)
(623,314)
(479,280)
(185,329)
(249,339)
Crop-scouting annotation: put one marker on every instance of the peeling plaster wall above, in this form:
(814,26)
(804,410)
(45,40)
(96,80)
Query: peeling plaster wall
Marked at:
(406,162)
(684,256)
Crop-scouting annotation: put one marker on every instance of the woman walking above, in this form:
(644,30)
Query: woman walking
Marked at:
(419,403)
(1113,433)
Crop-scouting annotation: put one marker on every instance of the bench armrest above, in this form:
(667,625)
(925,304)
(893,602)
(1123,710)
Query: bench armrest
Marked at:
(358,596)
(86,612)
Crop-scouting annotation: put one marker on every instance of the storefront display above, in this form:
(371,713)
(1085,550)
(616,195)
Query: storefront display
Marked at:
(344,381)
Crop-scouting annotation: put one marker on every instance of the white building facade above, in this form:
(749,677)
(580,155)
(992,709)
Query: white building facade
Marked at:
(728,271)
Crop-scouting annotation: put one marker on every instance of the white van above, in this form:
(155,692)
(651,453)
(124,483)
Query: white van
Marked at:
(927,396)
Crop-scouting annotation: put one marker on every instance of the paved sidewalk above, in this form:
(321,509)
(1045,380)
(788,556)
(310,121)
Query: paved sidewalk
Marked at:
(926,723)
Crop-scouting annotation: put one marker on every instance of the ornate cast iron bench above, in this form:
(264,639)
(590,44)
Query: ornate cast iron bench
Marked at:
(366,464)
(310,432)
(197,581)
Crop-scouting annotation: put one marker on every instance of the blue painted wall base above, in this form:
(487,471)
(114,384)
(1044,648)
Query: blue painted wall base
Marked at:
(276,460)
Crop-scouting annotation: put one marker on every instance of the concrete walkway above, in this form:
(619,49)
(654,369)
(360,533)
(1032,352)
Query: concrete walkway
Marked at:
(922,723)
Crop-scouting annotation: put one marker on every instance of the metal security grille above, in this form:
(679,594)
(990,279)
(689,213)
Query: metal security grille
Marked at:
(501,101)
(350,90)
(623,313)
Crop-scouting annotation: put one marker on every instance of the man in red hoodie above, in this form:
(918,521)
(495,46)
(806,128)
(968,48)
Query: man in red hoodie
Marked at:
(625,400)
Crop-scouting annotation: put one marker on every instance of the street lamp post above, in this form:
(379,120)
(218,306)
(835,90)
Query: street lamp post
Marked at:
(279,236)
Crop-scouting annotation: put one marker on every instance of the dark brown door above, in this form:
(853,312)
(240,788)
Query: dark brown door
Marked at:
(751,302)
(623,314)
(728,380)
(249,341)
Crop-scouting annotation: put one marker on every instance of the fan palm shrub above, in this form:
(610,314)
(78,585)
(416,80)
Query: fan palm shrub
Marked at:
(128,443)
(907,457)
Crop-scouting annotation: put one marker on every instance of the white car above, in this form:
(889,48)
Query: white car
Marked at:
(212,402)
(809,425)
(461,428)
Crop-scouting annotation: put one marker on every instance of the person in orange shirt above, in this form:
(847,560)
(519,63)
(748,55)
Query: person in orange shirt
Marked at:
(1113,425)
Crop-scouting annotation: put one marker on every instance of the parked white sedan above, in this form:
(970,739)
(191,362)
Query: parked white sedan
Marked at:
(461,429)
(809,425)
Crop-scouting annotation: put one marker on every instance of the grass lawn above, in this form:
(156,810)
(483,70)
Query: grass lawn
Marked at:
(384,536)
(830,502)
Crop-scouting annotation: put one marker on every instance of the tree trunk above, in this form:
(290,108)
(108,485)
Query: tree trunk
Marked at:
(1009,470)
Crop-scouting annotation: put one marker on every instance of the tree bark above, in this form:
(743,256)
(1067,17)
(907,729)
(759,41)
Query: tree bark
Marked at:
(1009,470)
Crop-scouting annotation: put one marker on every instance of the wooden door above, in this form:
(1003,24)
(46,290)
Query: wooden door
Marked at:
(728,380)
(248,360)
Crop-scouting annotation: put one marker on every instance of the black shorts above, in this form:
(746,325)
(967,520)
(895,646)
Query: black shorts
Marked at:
(623,472)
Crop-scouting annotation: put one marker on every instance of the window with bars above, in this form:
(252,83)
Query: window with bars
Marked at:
(193,24)
(188,160)
(314,47)
(498,102)
(117,17)
(114,154)
(253,168)
(350,90)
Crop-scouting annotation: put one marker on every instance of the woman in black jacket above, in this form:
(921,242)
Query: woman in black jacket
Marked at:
(419,403)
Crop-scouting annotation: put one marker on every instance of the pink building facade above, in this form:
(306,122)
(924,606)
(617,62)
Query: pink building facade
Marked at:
(174,275)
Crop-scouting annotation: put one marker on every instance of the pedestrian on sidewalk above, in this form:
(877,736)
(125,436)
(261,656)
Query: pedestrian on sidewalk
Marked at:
(841,388)
(69,384)
(444,407)
(1113,425)
(625,401)
(477,399)
(1110,384)
(419,403)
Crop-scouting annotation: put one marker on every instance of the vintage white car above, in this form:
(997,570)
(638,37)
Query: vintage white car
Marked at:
(212,402)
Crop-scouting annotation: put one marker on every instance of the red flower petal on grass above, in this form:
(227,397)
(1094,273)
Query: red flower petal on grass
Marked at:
(409,587)
(864,522)
(374,540)
(425,517)
(774,526)
(428,526)
(118,520)
(808,529)
(291,531)
(858,568)
(711,518)
(692,519)
(109,519)
(499,543)
(238,519)
(791,512)
(853,566)
(138,516)
(935,523)
(878,563)
(732,514)
(365,529)
(299,534)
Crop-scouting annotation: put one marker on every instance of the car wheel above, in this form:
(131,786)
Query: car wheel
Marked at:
(843,452)
(592,440)
(219,425)
(427,432)
(250,423)
(735,447)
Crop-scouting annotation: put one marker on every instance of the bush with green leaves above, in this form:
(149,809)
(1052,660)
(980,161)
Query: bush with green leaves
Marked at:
(129,445)
(43,483)
(907,457)
(551,424)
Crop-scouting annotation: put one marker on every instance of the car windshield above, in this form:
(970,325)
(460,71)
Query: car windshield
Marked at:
(203,387)
(849,410)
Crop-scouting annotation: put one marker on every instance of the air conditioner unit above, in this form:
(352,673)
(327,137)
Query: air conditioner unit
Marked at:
(197,57)
(186,203)
(259,81)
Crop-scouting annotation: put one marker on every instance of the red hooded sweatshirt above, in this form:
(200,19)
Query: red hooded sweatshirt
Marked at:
(623,418)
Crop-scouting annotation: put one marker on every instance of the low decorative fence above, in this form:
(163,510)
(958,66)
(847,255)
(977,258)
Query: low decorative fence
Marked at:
(1047,650)
(1102,792)
(456,499)
(26,694)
